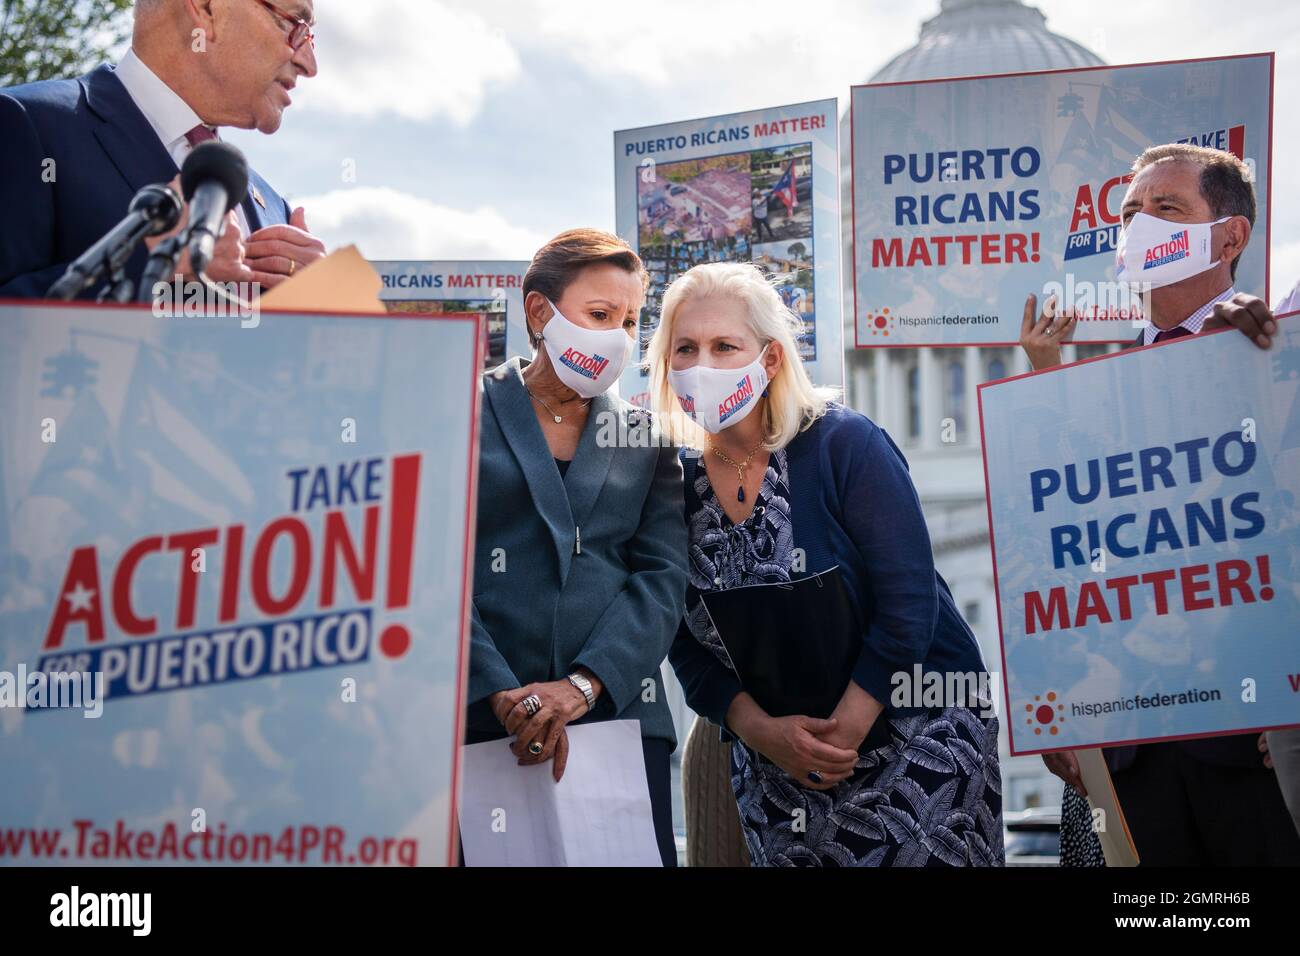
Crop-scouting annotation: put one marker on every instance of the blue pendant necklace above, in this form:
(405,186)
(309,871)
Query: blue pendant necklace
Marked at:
(739,466)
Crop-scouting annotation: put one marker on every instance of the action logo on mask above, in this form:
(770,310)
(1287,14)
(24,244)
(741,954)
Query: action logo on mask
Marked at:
(588,365)
(737,400)
(1178,247)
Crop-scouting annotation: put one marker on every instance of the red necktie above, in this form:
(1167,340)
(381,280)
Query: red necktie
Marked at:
(1176,333)
(200,134)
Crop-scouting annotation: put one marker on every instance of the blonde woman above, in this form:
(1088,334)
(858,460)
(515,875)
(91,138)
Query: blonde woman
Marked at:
(782,471)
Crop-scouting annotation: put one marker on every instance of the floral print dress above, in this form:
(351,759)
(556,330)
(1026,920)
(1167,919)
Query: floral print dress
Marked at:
(931,796)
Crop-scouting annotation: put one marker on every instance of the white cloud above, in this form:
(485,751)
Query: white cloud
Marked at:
(390,224)
(650,44)
(415,60)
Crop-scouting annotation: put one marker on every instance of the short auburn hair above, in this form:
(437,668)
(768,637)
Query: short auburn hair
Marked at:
(555,265)
(1226,182)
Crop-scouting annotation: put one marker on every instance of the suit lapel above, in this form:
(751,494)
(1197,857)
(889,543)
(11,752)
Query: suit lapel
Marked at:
(595,453)
(126,135)
(269,212)
(252,212)
(513,410)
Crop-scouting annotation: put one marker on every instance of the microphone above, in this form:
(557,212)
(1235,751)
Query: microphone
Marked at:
(154,210)
(214,179)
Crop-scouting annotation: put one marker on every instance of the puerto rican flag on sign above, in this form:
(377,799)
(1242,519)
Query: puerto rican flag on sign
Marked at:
(786,188)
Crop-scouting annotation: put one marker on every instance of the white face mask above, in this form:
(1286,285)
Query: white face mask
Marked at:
(717,398)
(589,361)
(1159,252)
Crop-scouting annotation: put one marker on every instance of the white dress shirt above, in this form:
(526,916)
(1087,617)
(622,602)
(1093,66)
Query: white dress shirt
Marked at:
(1193,322)
(168,114)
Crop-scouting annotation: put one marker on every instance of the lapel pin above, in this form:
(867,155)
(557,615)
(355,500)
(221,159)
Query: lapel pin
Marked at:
(257,197)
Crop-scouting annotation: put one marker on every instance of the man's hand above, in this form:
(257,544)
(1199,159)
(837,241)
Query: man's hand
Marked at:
(227,263)
(276,252)
(1249,314)
(1042,337)
(1065,765)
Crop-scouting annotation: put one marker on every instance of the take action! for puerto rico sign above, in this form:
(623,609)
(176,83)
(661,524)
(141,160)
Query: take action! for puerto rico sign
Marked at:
(245,551)
(969,194)
(1144,510)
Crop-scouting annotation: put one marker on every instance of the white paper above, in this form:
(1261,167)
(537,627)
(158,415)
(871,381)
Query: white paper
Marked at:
(597,815)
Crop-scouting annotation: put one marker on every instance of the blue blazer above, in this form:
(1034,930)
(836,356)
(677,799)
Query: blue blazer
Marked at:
(585,570)
(104,150)
(852,504)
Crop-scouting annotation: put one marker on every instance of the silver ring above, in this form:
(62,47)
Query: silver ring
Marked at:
(532,704)
(534,748)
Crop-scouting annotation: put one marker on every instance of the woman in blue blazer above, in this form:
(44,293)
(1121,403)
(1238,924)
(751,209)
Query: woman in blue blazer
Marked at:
(785,482)
(580,560)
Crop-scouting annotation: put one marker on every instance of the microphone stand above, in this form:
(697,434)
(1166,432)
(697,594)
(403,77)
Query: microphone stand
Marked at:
(119,289)
(105,260)
(153,210)
(161,265)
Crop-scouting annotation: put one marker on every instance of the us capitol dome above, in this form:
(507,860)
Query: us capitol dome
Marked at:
(970,37)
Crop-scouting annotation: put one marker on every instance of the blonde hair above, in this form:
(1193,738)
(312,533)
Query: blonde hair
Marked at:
(793,402)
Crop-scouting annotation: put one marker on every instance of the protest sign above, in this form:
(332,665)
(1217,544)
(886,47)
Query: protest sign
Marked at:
(492,289)
(757,187)
(1144,511)
(969,194)
(234,585)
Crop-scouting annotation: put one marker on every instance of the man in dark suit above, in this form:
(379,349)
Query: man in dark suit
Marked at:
(77,150)
(1213,800)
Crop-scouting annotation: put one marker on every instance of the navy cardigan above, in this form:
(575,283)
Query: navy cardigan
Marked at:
(852,504)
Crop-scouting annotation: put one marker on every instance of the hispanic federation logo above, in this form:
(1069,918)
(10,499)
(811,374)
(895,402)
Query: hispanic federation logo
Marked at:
(880,322)
(1045,712)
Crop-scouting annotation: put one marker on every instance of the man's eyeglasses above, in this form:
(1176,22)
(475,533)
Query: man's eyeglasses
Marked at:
(300,29)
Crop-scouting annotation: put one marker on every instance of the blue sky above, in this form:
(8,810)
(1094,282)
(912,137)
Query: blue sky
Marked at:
(477,130)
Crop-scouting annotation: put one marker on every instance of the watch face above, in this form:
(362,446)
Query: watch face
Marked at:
(584,685)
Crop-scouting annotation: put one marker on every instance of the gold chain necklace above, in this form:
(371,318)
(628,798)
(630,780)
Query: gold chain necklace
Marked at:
(739,466)
(557,418)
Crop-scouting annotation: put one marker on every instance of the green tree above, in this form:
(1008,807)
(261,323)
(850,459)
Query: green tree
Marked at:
(46,39)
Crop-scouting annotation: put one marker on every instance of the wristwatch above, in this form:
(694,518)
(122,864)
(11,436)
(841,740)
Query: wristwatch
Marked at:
(584,685)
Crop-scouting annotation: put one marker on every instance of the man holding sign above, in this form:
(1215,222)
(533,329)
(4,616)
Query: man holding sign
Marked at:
(1187,218)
